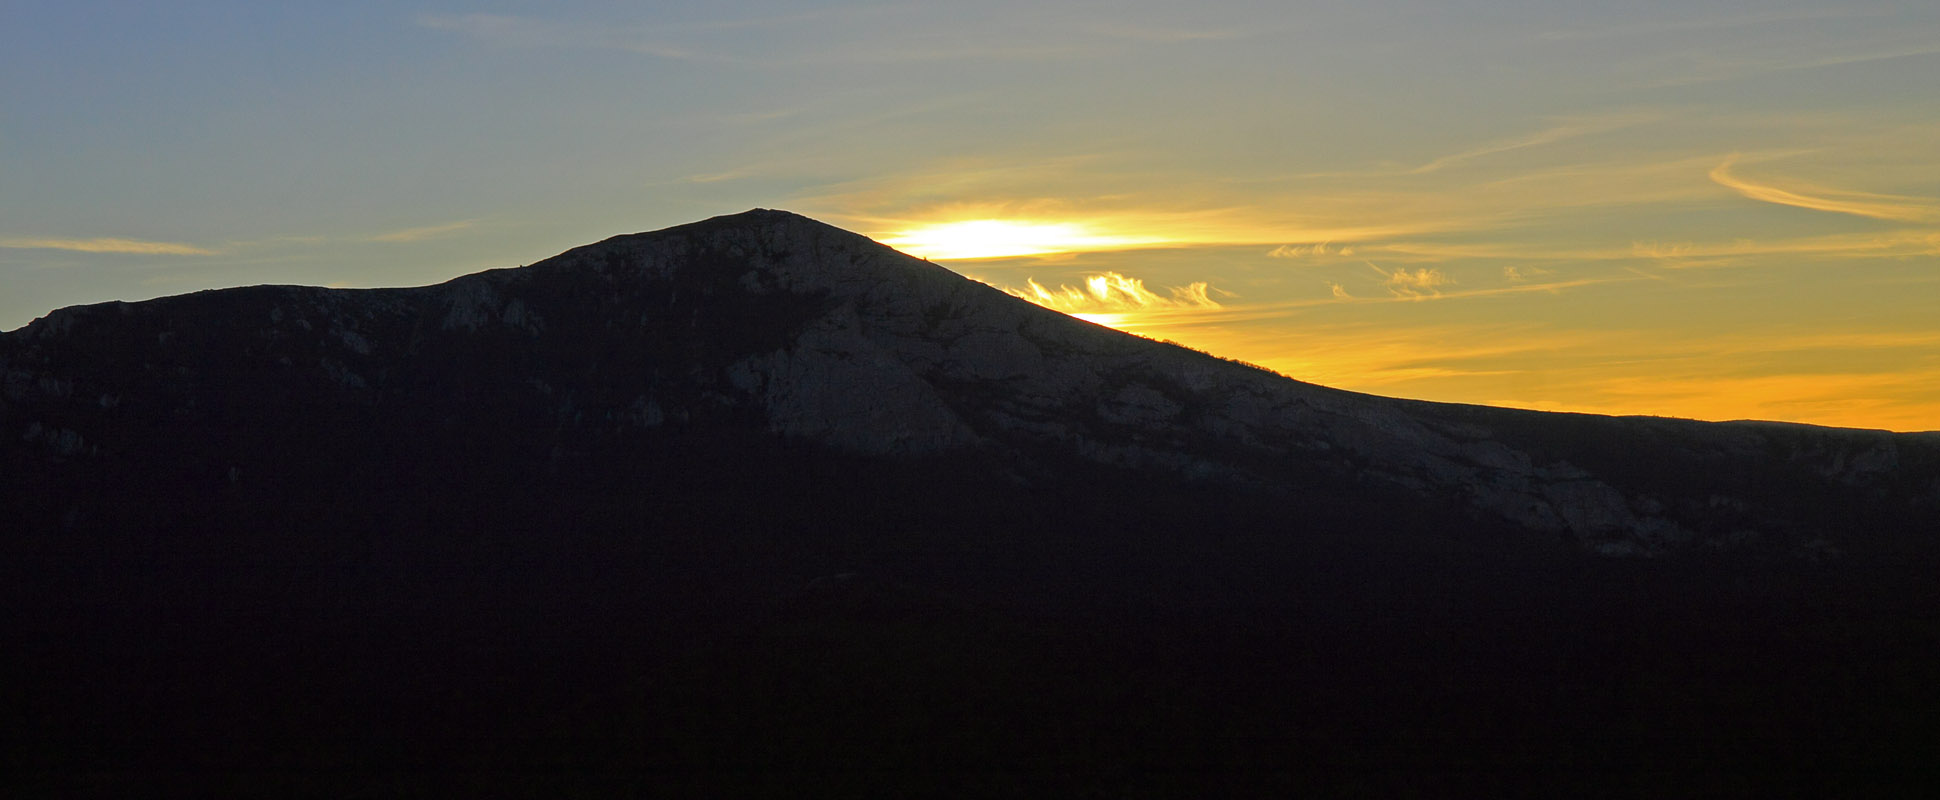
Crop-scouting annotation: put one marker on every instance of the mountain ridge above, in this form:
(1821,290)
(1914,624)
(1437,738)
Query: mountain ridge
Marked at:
(832,338)
(756,503)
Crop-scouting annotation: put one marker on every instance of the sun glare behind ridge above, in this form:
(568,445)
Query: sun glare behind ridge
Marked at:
(998,238)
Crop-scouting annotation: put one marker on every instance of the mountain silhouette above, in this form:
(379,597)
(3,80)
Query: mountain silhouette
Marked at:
(757,496)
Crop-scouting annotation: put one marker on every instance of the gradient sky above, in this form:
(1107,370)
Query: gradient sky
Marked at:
(1694,208)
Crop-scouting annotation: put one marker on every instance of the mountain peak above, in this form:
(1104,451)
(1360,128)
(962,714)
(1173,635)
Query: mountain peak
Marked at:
(771,249)
(767,486)
(772,322)
(774,224)
(762,216)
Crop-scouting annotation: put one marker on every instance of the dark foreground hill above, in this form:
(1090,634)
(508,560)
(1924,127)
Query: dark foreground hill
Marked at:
(758,504)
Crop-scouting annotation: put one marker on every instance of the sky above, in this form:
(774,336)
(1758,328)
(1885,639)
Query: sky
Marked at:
(1694,209)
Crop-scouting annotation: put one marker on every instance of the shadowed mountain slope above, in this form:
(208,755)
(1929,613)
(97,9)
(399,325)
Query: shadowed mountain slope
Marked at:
(757,494)
(767,321)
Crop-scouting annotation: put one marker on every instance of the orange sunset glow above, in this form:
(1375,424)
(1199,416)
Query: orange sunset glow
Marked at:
(1699,328)
(996,238)
(1694,209)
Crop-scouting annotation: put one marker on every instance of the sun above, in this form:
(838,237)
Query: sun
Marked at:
(999,238)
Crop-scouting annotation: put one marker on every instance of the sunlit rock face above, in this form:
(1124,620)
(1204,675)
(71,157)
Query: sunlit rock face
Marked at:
(771,322)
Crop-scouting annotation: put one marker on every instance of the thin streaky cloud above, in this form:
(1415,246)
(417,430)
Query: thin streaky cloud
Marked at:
(1826,340)
(879,205)
(1708,24)
(1766,67)
(1559,132)
(108,245)
(279,240)
(1887,244)
(1892,245)
(1546,136)
(1676,254)
(1861,58)
(1432,251)
(1050,51)
(1524,274)
(511,31)
(1662,174)
(1552,287)
(735,174)
(781,20)
(755,117)
(1838,201)
(1163,35)
(1259,312)
(669,42)
(428,232)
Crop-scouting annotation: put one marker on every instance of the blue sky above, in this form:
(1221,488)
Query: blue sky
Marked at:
(1702,209)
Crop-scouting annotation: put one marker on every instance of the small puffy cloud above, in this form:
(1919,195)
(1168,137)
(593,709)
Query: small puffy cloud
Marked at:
(1301,250)
(108,245)
(1403,282)
(1661,250)
(1418,283)
(1520,274)
(1340,291)
(1112,292)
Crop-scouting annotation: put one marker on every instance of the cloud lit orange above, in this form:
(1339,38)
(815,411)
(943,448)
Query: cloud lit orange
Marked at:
(998,238)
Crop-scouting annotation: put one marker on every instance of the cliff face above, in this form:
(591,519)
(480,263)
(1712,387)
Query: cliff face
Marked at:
(770,321)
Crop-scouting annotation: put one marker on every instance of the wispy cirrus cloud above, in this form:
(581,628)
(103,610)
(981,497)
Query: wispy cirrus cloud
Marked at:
(853,33)
(1908,242)
(1838,201)
(1227,314)
(427,232)
(735,174)
(1841,247)
(1157,34)
(1700,24)
(1557,131)
(1094,189)
(1309,250)
(1515,274)
(1752,66)
(1571,129)
(107,245)
(512,31)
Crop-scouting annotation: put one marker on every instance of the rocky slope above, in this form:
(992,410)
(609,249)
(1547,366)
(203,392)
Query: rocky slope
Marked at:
(820,335)
(755,504)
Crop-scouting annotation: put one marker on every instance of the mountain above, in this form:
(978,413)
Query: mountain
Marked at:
(757,495)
